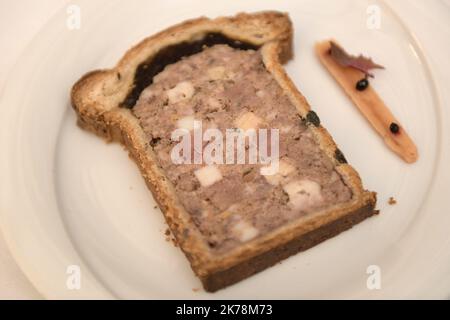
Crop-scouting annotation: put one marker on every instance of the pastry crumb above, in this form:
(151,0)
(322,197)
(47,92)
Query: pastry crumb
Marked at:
(392,201)
(167,234)
(170,238)
(195,289)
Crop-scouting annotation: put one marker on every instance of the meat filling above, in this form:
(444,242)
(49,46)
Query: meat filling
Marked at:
(231,204)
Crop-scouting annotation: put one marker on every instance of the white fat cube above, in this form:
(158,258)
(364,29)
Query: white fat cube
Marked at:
(188,123)
(247,121)
(216,73)
(208,175)
(182,91)
(303,194)
(284,170)
(245,231)
(260,93)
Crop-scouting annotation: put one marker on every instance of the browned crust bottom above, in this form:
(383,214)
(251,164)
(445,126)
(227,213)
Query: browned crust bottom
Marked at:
(247,268)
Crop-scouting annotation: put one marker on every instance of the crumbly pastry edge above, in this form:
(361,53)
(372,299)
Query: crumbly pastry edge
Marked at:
(96,98)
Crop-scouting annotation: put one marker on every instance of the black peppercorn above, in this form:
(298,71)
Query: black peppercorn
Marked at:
(340,156)
(313,118)
(362,84)
(394,128)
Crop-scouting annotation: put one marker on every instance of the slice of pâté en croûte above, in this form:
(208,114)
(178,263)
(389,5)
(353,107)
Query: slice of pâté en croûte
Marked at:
(229,219)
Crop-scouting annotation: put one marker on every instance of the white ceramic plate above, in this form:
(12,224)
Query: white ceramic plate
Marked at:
(68,198)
